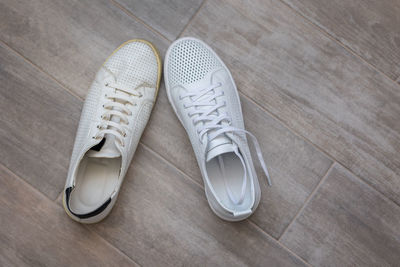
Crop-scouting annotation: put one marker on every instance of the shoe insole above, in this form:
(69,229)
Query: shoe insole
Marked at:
(234,172)
(96,180)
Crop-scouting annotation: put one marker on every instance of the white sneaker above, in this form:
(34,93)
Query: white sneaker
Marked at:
(203,95)
(113,118)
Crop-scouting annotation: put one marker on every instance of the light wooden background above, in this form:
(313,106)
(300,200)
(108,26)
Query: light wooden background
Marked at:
(318,81)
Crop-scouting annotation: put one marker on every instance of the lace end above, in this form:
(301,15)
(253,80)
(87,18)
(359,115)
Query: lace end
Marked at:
(269,180)
(264,166)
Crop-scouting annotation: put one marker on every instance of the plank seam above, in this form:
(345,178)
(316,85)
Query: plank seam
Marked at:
(40,70)
(192,18)
(281,244)
(300,211)
(130,14)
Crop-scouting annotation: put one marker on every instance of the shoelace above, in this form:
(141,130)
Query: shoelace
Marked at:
(206,106)
(117,108)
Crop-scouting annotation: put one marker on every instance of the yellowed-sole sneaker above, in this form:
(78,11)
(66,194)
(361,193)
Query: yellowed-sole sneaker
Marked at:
(116,111)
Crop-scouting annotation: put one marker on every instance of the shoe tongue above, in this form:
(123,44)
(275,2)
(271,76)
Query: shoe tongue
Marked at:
(108,150)
(219,145)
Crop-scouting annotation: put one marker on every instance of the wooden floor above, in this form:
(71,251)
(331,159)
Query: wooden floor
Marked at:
(319,84)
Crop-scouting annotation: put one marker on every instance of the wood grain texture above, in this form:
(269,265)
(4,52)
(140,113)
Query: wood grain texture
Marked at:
(279,61)
(296,167)
(162,218)
(164,132)
(167,17)
(312,84)
(369,28)
(39,120)
(36,232)
(69,39)
(347,223)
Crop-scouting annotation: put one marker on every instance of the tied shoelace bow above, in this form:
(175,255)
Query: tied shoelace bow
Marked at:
(204,104)
(116,111)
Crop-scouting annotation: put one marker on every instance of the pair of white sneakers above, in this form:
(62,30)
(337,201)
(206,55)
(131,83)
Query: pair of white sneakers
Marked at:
(203,95)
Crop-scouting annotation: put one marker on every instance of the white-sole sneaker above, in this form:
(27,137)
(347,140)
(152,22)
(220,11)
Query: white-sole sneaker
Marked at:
(203,95)
(115,113)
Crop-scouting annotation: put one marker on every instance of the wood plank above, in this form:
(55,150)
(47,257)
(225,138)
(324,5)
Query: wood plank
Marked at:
(369,28)
(347,223)
(167,17)
(162,218)
(311,83)
(69,40)
(36,232)
(39,120)
(296,166)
